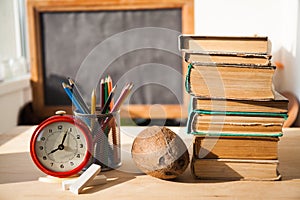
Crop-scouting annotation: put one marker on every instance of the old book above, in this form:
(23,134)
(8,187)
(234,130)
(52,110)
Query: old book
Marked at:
(235,169)
(262,148)
(228,59)
(277,105)
(224,44)
(230,82)
(216,123)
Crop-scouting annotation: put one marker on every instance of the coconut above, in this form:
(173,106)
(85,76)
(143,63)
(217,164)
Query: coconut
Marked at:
(159,152)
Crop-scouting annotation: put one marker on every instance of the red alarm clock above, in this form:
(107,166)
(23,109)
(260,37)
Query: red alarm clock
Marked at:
(61,145)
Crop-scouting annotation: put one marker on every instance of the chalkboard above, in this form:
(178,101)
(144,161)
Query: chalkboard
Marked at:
(68,38)
(132,41)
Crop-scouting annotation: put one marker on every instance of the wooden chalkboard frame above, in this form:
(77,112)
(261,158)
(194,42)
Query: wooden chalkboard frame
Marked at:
(35,7)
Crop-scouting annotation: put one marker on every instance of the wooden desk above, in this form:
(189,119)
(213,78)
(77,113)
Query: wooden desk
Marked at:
(19,176)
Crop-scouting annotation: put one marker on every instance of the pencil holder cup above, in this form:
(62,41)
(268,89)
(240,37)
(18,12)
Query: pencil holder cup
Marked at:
(105,132)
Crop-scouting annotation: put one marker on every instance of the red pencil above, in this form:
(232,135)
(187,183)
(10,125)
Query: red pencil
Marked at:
(125,92)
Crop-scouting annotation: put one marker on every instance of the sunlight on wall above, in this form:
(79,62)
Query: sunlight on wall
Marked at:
(276,19)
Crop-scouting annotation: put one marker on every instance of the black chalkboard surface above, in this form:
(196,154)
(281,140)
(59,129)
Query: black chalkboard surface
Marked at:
(132,41)
(69,38)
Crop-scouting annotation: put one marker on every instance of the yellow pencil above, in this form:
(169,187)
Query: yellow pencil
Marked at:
(93,107)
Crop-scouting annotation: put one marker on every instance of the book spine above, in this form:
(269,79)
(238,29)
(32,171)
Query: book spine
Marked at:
(190,121)
(187,79)
(260,114)
(223,58)
(218,134)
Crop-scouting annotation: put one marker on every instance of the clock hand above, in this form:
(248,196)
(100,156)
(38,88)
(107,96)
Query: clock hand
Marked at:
(64,138)
(61,146)
(54,150)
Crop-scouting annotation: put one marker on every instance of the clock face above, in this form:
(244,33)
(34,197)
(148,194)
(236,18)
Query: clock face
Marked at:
(61,148)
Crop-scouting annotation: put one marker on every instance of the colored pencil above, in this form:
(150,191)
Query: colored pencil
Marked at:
(108,101)
(106,93)
(78,95)
(93,102)
(102,96)
(67,89)
(110,87)
(125,92)
(93,108)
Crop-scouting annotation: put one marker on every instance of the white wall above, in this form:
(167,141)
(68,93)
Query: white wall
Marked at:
(16,92)
(279,20)
(9,34)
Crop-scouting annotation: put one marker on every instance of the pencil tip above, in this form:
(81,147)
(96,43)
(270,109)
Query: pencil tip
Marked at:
(71,82)
(131,86)
(66,85)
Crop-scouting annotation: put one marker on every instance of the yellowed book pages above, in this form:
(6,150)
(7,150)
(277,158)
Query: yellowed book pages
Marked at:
(192,43)
(261,148)
(278,105)
(244,83)
(234,169)
(246,124)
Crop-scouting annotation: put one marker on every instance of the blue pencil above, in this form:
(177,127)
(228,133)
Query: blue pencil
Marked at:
(73,99)
(78,96)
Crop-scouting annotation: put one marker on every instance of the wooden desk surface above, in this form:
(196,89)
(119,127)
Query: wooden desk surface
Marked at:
(19,176)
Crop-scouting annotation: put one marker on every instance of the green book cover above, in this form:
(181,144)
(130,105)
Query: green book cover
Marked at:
(187,79)
(266,114)
(195,113)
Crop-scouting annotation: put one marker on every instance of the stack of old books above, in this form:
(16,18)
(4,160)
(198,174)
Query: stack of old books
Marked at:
(236,116)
